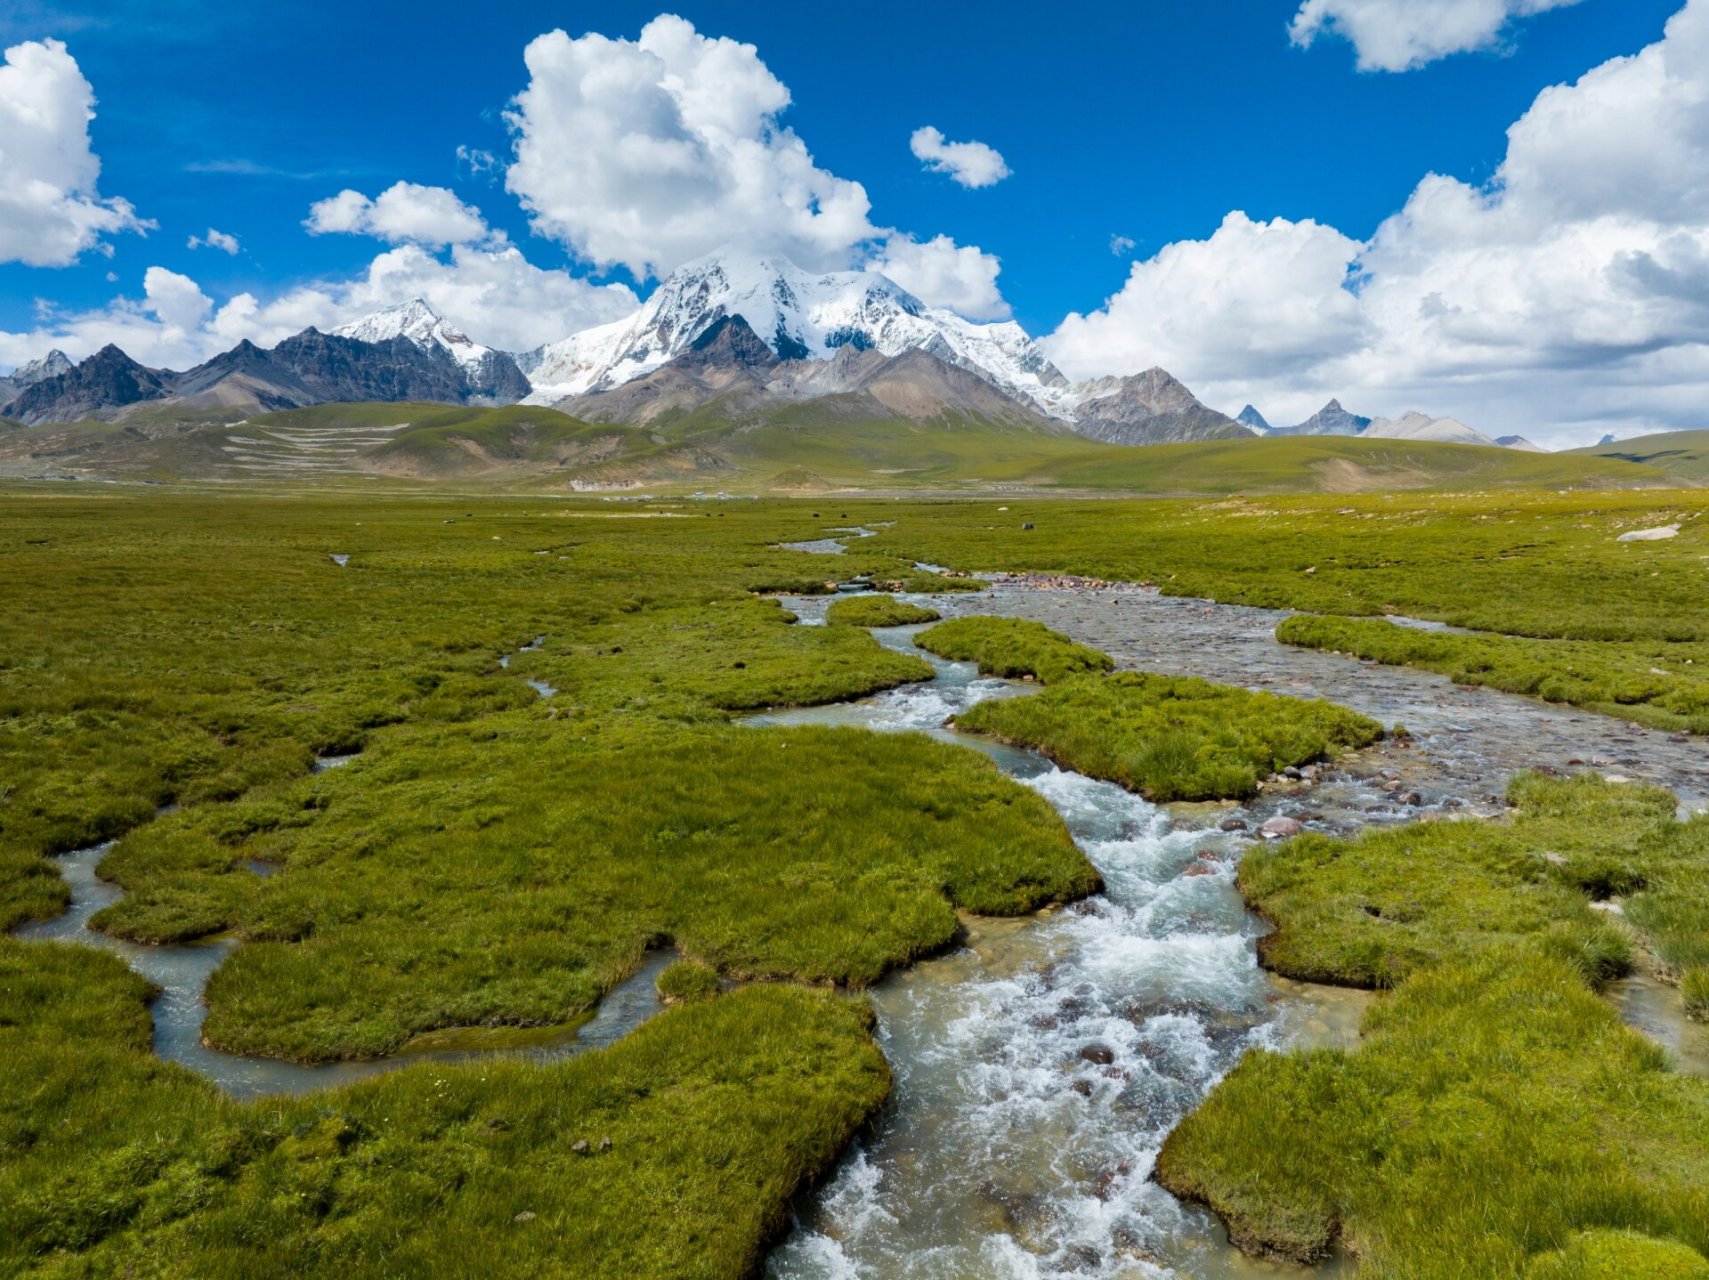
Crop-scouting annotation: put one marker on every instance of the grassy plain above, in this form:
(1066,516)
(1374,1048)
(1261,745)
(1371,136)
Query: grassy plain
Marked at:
(1497,1119)
(1542,566)
(494,858)
(200,650)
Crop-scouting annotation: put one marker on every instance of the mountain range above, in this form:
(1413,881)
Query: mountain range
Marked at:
(1334,420)
(725,336)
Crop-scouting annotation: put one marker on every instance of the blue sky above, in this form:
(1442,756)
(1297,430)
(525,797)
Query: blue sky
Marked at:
(1149,121)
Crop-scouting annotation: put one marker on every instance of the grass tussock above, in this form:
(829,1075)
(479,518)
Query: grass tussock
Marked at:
(688,980)
(878,611)
(1665,686)
(1013,648)
(1171,738)
(1498,1119)
(112,1163)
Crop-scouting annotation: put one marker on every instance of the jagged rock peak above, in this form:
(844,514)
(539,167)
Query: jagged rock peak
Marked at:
(732,340)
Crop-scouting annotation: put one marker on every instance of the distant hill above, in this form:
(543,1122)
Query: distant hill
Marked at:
(1679,453)
(825,443)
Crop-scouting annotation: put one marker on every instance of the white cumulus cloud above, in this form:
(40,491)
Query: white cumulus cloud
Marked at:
(945,274)
(654,151)
(492,293)
(50,210)
(1402,35)
(1567,296)
(404,213)
(651,152)
(214,240)
(971,164)
(1257,299)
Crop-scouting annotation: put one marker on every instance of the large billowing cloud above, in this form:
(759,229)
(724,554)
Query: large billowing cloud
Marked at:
(495,294)
(50,211)
(1568,295)
(1401,35)
(648,153)
(654,151)
(1258,300)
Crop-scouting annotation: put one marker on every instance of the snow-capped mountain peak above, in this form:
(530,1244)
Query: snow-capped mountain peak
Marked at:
(421,324)
(492,375)
(800,315)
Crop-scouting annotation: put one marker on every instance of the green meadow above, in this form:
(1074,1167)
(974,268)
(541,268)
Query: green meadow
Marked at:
(551,777)
(1497,1118)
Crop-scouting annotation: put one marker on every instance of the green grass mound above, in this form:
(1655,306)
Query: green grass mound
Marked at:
(1370,911)
(1012,648)
(1171,738)
(511,870)
(1496,1107)
(687,980)
(878,611)
(113,1163)
(1619,1255)
(1665,686)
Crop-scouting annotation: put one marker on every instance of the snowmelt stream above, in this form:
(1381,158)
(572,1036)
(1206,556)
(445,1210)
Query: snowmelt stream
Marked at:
(1039,1067)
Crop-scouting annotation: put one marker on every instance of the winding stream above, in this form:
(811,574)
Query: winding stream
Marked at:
(1039,1068)
(181,973)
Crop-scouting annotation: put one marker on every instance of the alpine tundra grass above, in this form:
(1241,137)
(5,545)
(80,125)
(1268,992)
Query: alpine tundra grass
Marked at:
(1497,1119)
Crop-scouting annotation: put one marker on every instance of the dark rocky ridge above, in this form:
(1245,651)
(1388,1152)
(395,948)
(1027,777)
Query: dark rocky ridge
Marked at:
(307,369)
(1331,420)
(1151,408)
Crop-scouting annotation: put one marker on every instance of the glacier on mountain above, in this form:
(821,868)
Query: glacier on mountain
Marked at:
(800,315)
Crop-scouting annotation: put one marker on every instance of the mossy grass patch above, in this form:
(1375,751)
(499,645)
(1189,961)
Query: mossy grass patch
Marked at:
(1171,738)
(1013,648)
(1664,686)
(1497,1119)
(112,1163)
(878,611)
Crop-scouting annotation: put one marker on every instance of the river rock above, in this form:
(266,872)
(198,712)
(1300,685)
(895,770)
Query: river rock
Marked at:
(1101,1054)
(1280,829)
(1412,798)
(1231,824)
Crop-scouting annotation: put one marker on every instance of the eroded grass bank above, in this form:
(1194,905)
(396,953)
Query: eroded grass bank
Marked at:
(1498,1119)
(1664,686)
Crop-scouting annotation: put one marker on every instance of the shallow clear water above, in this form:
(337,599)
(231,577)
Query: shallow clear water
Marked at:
(1039,1067)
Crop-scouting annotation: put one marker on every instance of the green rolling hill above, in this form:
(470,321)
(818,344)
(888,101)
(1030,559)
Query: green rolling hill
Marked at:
(1679,453)
(830,443)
